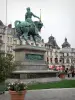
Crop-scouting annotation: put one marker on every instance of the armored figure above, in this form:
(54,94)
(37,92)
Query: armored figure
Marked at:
(29,15)
(28,27)
(28,18)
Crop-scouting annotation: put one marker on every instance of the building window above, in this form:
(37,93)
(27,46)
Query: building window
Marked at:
(0,37)
(10,48)
(32,43)
(71,60)
(63,60)
(10,39)
(15,41)
(72,54)
(47,59)
(67,54)
(51,53)
(56,60)
(60,60)
(1,30)
(67,60)
(41,45)
(47,53)
(63,54)
(51,60)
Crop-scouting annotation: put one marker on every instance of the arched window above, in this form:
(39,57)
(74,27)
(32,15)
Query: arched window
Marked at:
(47,59)
(67,60)
(51,60)
(56,60)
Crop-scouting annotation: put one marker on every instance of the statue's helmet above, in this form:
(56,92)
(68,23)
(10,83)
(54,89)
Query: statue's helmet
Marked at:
(28,8)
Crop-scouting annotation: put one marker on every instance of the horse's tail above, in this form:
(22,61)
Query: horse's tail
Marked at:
(17,22)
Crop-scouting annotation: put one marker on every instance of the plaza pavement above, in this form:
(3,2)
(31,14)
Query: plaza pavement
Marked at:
(46,94)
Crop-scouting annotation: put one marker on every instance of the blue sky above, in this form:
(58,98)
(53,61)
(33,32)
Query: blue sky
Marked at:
(58,16)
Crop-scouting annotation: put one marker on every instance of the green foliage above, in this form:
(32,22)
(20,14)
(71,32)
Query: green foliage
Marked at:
(17,86)
(6,66)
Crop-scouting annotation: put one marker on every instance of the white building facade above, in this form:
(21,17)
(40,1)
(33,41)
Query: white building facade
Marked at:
(56,56)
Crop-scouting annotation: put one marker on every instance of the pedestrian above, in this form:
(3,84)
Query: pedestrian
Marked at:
(68,72)
(73,73)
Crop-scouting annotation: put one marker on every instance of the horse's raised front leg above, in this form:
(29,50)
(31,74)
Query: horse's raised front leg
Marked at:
(34,38)
(19,39)
(25,37)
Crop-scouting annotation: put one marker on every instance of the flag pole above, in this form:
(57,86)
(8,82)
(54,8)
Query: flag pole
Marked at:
(40,15)
(6,32)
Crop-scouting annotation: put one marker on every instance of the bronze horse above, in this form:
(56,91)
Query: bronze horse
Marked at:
(25,30)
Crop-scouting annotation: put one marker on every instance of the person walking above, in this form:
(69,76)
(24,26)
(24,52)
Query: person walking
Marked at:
(68,72)
(73,73)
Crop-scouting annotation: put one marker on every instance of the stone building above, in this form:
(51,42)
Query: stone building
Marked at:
(52,52)
(2,29)
(67,54)
(3,37)
(56,56)
(8,39)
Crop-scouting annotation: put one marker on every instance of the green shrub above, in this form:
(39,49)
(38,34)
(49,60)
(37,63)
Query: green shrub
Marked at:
(7,65)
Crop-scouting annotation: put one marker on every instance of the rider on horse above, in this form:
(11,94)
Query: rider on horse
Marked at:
(28,18)
(28,28)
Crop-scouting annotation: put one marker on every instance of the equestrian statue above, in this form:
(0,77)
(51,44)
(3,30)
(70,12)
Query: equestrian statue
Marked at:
(28,28)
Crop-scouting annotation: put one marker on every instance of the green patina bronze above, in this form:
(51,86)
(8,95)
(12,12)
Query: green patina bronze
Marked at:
(28,28)
(34,57)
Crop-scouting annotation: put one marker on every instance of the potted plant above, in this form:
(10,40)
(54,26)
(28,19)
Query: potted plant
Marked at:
(61,74)
(7,65)
(17,90)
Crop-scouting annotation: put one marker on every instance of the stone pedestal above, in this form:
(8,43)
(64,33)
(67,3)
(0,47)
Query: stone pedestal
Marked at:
(31,62)
(30,58)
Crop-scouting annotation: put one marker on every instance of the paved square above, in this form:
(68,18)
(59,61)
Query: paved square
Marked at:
(48,94)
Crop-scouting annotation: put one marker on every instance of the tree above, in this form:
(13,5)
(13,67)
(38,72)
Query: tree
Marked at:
(7,65)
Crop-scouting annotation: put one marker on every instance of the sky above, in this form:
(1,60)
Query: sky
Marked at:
(58,17)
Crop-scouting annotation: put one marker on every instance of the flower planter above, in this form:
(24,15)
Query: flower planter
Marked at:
(17,96)
(62,76)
